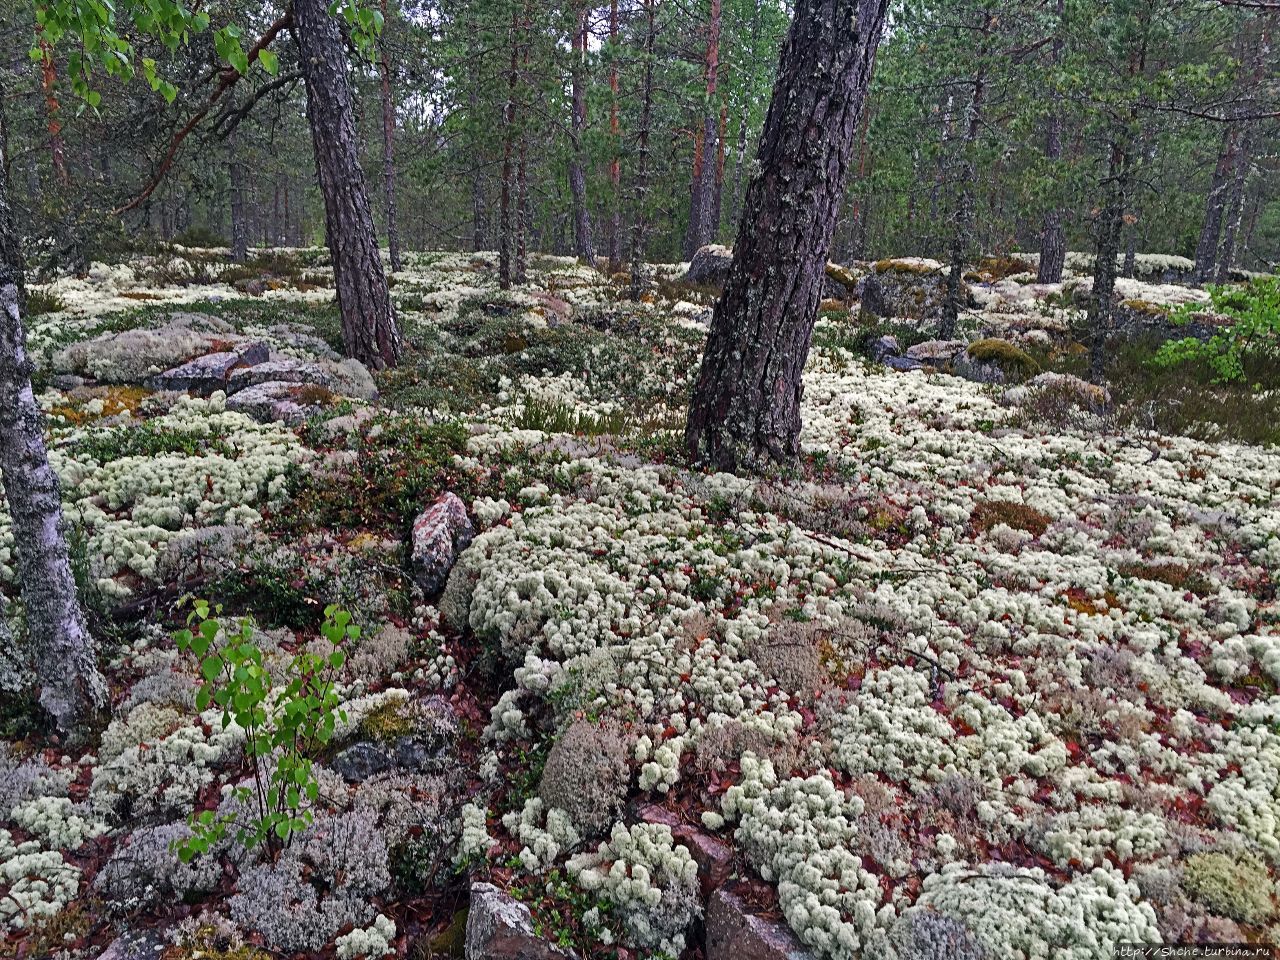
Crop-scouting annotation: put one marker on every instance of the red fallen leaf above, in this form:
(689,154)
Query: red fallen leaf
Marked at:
(1074,749)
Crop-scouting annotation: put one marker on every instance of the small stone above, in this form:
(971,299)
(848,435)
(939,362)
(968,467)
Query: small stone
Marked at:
(360,761)
(709,266)
(499,927)
(141,944)
(734,933)
(440,533)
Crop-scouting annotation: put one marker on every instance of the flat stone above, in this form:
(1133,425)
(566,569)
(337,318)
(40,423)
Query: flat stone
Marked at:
(440,533)
(281,369)
(734,933)
(937,351)
(209,373)
(903,364)
(360,761)
(499,927)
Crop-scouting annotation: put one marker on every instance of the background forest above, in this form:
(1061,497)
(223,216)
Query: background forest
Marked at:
(985,119)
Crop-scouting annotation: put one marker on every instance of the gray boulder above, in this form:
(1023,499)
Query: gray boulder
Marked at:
(278,401)
(282,369)
(885,347)
(937,353)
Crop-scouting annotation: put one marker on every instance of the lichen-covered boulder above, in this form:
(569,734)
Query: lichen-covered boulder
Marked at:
(131,356)
(1058,387)
(440,533)
(912,287)
(499,927)
(994,361)
(281,401)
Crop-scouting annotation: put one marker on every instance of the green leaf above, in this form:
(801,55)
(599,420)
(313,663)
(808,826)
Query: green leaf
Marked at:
(270,61)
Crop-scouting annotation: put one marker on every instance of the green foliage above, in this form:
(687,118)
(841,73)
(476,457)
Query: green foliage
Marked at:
(148,440)
(283,726)
(1255,332)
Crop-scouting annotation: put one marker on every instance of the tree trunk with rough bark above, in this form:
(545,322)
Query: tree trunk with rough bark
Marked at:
(1053,234)
(369,329)
(53,111)
(745,411)
(584,245)
(388,150)
(62,652)
(506,231)
(641,195)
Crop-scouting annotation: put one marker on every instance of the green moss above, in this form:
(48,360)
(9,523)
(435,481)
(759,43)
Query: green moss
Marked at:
(387,722)
(1147,307)
(1236,888)
(843,275)
(1013,361)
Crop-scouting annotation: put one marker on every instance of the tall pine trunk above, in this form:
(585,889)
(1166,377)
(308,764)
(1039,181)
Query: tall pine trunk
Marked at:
(1235,210)
(369,329)
(62,654)
(506,231)
(584,246)
(1053,235)
(641,191)
(1108,233)
(615,139)
(745,411)
(388,150)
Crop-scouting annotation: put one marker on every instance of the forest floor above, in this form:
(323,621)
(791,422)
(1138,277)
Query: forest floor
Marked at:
(992,673)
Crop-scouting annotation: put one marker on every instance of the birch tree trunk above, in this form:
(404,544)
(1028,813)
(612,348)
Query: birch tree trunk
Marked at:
(369,329)
(63,653)
(745,411)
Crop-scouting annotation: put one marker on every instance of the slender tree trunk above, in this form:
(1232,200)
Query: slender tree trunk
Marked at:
(239,226)
(940,172)
(615,139)
(71,690)
(369,329)
(962,234)
(388,149)
(53,110)
(479,212)
(1215,205)
(523,214)
(1235,210)
(745,411)
(642,153)
(584,246)
(702,219)
(693,228)
(1110,228)
(506,238)
(1053,235)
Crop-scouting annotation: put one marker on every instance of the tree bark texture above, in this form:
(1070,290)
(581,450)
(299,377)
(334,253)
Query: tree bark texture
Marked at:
(1109,230)
(1235,210)
(614,238)
(70,688)
(12,270)
(239,210)
(584,245)
(506,232)
(702,225)
(369,329)
(1215,206)
(745,411)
